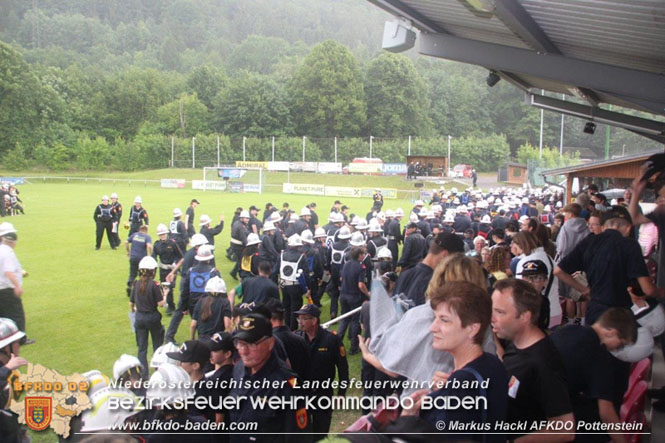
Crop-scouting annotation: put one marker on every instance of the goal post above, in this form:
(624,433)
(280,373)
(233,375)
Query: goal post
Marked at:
(231,179)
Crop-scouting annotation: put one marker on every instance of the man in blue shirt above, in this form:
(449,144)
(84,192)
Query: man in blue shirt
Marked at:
(141,245)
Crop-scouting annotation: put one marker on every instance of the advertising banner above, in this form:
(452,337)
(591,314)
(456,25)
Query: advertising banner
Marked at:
(339,191)
(303,166)
(365,168)
(329,167)
(387,193)
(394,168)
(241,164)
(12,180)
(177,183)
(251,187)
(231,172)
(236,186)
(278,166)
(297,188)
(209,185)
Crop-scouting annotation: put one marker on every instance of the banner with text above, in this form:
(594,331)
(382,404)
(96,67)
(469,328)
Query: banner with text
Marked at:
(326,168)
(241,164)
(296,188)
(177,183)
(394,168)
(365,168)
(208,185)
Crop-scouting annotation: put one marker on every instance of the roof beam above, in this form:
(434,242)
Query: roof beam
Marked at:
(518,20)
(596,76)
(400,9)
(642,126)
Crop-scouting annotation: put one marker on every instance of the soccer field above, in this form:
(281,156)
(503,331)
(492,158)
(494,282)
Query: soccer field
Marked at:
(75,299)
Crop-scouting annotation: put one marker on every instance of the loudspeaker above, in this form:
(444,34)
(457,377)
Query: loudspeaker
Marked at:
(397,37)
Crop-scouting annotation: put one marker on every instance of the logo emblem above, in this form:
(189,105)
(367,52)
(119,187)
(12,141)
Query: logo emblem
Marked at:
(301,418)
(38,412)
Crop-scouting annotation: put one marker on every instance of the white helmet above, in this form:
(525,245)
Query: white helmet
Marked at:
(381,215)
(275,217)
(449,218)
(204,220)
(138,199)
(307,237)
(160,357)
(399,212)
(413,217)
(162,229)
(320,233)
(362,224)
(423,213)
(114,195)
(204,253)
(384,253)
(268,226)
(339,218)
(454,190)
(344,233)
(461,209)
(357,239)
(177,212)
(293,218)
(486,219)
(124,364)
(169,384)
(253,239)
(6,228)
(9,332)
(148,263)
(430,215)
(374,226)
(105,197)
(103,417)
(354,221)
(243,214)
(419,203)
(305,211)
(390,213)
(332,217)
(96,381)
(198,240)
(295,240)
(216,285)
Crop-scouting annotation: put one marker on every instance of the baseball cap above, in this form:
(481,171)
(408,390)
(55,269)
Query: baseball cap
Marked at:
(191,351)
(195,201)
(252,328)
(411,225)
(221,341)
(534,267)
(449,241)
(253,208)
(309,309)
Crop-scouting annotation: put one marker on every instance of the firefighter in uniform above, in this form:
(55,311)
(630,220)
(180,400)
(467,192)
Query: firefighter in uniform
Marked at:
(168,253)
(10,336)
(178,230)
(378,199)
(335,261)
(376,241)
(322,250)
(292,266)
(193,287)
(116,221)
(327,354)
(314,263)
(103,216)
(239,232)
(394,234)
(137,216)
(258,363)
(415,247)
(210,233)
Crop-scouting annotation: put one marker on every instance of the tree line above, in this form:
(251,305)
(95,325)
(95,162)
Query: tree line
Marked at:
(97,84)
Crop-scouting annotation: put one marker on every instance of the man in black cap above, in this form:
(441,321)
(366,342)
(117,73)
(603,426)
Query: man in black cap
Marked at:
(536,273)
(414,247)
(254,341)
(326,352)
(193,356)
(255,224)
(221,355)
(189,217)
(295,345)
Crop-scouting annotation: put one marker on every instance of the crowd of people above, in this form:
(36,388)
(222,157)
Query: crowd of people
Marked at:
(534,307)
(10,203)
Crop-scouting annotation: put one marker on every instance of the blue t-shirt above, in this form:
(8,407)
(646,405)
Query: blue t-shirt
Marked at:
(490,368)
(139,242)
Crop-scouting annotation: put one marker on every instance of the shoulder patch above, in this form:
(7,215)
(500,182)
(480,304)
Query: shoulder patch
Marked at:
(342,351)
(301,418)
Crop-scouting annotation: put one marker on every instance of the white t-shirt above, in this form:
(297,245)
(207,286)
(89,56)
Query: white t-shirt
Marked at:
(9,262)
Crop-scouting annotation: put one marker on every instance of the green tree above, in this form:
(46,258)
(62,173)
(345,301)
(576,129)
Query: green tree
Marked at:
(252,106)
(327,95)
(185,117)
(258,54)
(397,101)
(206,81)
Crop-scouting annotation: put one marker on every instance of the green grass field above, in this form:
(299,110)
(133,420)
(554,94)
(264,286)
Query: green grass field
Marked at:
(75,299)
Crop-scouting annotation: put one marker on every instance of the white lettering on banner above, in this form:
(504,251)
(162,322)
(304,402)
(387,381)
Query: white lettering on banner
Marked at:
(178,183)
(241,164)
(209,185)
(278,166)
(296,188)
(394,168)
